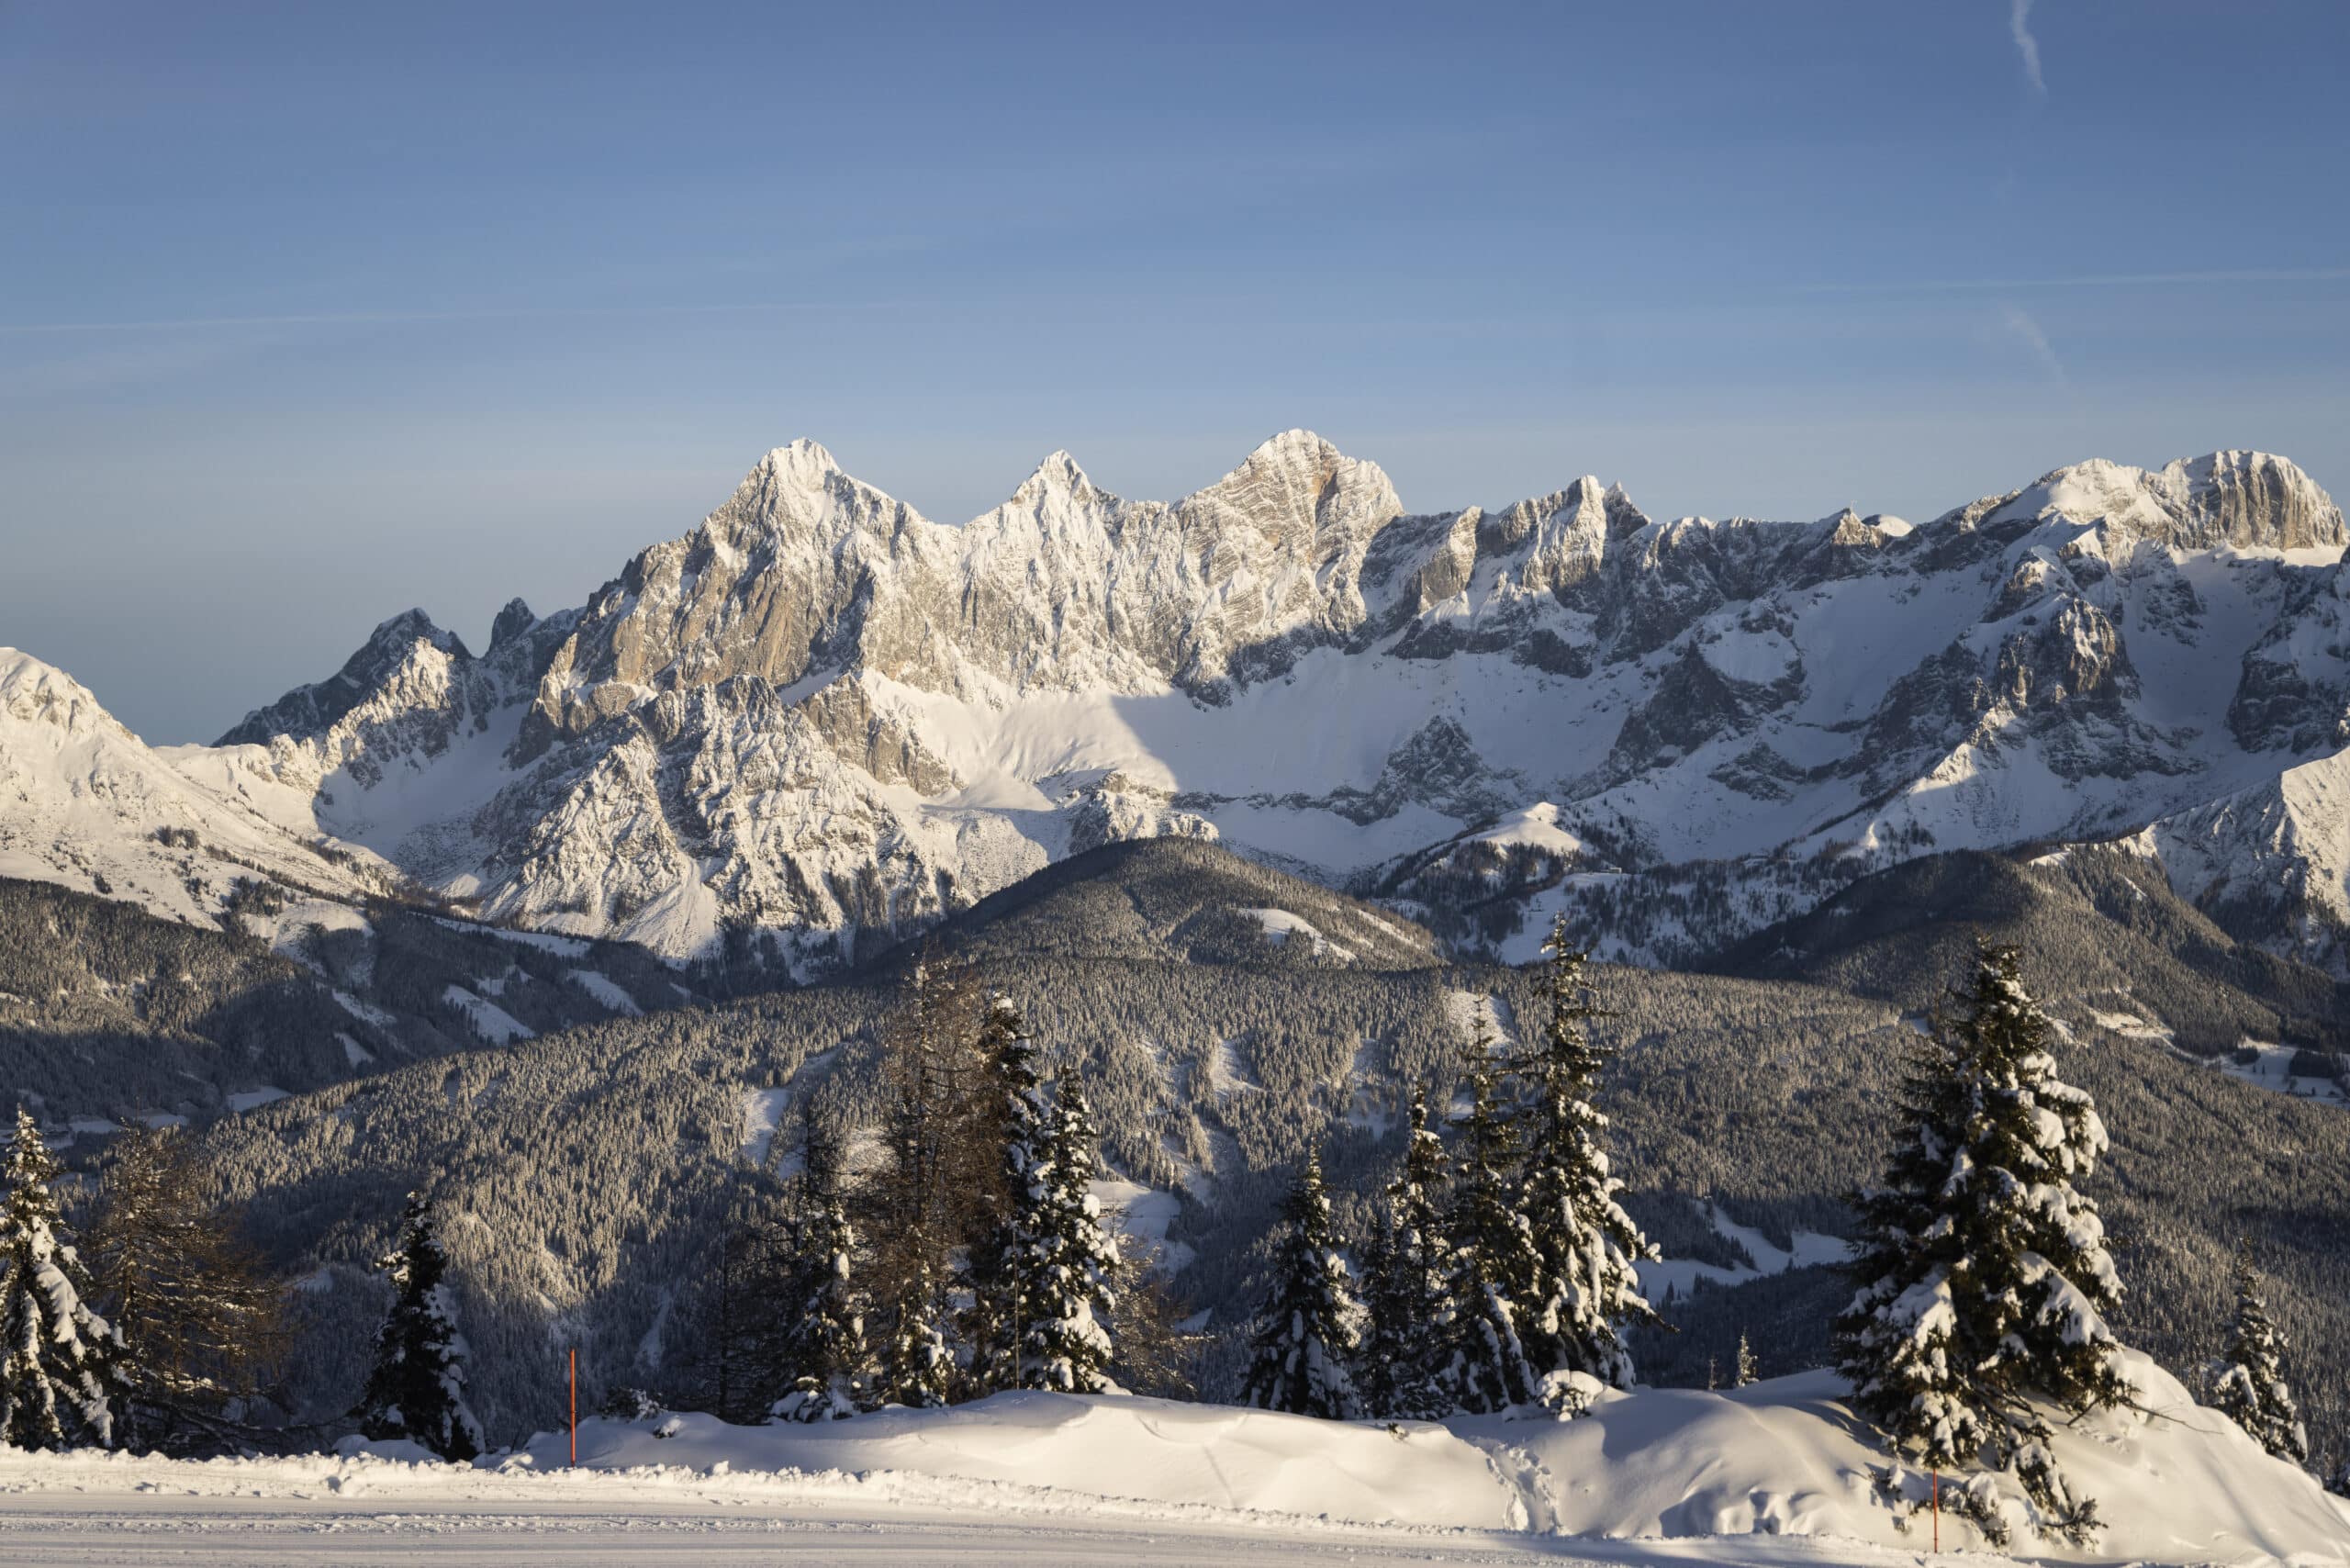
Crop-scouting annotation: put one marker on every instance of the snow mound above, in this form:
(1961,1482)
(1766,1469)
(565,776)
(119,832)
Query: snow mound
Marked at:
(1696,1476)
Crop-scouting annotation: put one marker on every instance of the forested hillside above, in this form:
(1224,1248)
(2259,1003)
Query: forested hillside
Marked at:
(590,1174)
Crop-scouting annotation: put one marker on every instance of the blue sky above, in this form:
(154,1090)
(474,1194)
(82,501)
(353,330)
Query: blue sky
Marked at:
(310,313)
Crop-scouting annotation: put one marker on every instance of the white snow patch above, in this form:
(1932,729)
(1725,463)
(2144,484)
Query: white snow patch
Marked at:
(491,1022)
(606,990)
(251,1099)
(2272,1069)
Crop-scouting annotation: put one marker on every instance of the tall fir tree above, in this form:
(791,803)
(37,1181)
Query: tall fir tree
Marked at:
(60,1362)
(1066,1345)
(827,1356)
(1745,1369)
(1585,1286)
(1311,1324)
(416,1389)
(200,1317)
(921,1208)
(1983,1274)
(2248,1380)
(1492,1268)
(1016,1126)
(1405,1287)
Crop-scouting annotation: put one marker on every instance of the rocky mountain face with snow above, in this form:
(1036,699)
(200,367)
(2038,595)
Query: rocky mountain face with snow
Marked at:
(818,723)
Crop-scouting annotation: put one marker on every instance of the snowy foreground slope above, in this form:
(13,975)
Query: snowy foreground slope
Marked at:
(1774,1472)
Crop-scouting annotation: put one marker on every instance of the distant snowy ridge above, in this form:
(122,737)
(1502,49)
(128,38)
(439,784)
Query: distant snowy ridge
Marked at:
(819,721)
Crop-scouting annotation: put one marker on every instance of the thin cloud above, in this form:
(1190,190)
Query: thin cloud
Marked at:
(387,318)
(2026,331)
(2020,24)
(2089,280)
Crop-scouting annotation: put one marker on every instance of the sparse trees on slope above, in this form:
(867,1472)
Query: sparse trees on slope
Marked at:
(1584,1244)
(1492,1268)
(417,1390)
(198,1317)
(1404,1284)
(1066,1346)
(60,1377)
(1311,1323)
(2248,1381)
(1983,1274)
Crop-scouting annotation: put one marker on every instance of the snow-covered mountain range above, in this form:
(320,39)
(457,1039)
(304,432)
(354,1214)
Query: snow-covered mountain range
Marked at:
(819,722)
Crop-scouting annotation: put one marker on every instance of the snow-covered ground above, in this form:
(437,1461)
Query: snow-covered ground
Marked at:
(1776,1473)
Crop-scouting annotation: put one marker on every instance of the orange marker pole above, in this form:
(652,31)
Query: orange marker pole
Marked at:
(575,1410)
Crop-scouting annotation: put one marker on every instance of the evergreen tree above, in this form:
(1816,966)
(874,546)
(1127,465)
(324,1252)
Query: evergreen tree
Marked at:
(731,1339)
(1066,1345)
(1404,1284)
(60,1377)
(199,1318)
(1491,1266)
(827,1354)
(1745,1372)
(923,1206)
(1584,1244)
(2248,1382)
(1016,1126)
(1311,1322)
(1982,1275)
(416,1389)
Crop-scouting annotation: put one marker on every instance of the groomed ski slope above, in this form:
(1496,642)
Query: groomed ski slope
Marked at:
(1775,1473)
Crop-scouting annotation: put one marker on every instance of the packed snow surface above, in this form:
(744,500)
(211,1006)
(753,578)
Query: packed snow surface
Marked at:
(1652,1476)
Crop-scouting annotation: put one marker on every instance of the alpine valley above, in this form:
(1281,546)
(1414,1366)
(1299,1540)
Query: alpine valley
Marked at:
(1253,800)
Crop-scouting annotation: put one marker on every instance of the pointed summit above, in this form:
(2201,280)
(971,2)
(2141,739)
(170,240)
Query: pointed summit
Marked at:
(802,464)
(511,623)
(1058,474)
(1298,471)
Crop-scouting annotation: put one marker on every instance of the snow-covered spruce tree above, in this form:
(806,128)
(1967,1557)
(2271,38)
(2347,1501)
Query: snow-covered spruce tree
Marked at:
(416,1389)
(1311,1323)
(1745,1370)
(1016,1123)
(920,1210)
(1066,1346)
(2248,1381)
(1982,1275)
(1405,1285)
(60,1377)
(198,1317)
(1584,1244)
(826,1356)
(1492,1267)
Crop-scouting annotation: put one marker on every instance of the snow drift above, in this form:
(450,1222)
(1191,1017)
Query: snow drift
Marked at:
(2177,1483)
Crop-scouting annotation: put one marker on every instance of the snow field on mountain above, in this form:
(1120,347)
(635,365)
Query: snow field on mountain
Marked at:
(1661,1474)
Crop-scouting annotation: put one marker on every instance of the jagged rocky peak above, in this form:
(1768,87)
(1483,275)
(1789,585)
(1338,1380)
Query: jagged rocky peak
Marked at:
(512,621)
(1296,483)
(2240,500)
(1058,474)
(392,652)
